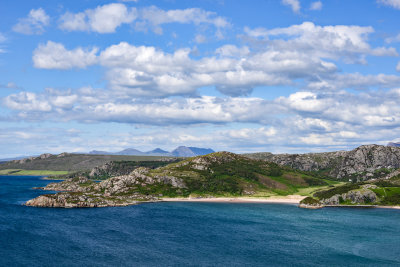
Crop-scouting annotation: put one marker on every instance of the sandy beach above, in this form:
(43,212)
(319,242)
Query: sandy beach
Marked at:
(291,199)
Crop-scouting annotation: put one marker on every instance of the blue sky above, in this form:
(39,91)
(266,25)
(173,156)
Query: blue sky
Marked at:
(279,76)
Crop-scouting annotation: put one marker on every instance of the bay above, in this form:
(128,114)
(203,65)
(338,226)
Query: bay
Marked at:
(191,234)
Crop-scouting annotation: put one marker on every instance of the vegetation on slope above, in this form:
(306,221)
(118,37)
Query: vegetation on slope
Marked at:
(225,173)
(385,192)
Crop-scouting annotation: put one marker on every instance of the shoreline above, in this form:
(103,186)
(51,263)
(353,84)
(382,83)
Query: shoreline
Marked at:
(290,199)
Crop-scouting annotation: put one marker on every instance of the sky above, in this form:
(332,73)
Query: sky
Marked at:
(283,76)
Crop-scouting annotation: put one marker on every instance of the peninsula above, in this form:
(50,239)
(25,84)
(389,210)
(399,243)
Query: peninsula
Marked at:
(368,175)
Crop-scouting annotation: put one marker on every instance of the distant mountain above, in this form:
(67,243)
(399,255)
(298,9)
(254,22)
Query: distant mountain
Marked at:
(130,152)
(181,151)
(394,144)
(158,152)
(98,152)
(201,151)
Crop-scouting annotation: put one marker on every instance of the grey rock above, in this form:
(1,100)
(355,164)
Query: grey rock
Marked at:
(362,163)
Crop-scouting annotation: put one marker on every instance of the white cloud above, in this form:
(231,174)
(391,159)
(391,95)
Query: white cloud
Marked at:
(233,51)
(393,39)
(10,85)
(392,3)
(294,5)
(349,42)
(55,56)
(27,101)
(103,19)
(316,5)
(154,17)
(355,81)
(313,120)
(34,23)
(398,66)
(200,38)
(149,71)
(2,38)
(297,55)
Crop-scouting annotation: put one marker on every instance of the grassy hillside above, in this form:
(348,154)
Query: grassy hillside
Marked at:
(224,173)
(71,162)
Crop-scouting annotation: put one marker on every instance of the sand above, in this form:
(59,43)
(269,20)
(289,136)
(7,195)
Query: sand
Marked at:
(291,199)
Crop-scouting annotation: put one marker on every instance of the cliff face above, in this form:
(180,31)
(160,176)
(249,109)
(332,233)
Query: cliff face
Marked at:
(363,163)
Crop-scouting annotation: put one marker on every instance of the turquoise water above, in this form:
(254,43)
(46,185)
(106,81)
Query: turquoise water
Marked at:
(191,234)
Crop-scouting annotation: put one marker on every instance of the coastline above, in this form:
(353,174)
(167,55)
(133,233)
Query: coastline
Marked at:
(290,199)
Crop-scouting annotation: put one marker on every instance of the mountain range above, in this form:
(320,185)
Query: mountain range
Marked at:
(181,151)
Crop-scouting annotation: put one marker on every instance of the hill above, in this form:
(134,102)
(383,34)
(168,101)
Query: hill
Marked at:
(363,163)
(216,174)
(73,162)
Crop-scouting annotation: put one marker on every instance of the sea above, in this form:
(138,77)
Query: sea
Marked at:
(191,234)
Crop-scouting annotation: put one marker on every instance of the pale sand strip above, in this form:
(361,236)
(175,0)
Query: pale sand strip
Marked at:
(389,207)
(291,199)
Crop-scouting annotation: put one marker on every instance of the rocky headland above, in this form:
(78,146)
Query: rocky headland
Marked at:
(220,174)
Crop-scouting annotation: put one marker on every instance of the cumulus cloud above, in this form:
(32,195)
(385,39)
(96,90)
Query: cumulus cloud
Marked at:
(348,42)
(103,19)
(34,23)
(368,110)
(398,67)
(148,71)
(55,56)
(153,17)
(293,4)
(316,5)
(27,101)
(320,120)
(392,3)
(296,55)
(356,81)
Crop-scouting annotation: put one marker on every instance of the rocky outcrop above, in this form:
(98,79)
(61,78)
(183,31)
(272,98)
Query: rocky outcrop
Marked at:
(117,191)
(358,196)
(78,184)
(363,163)
(84,200)
(310,203)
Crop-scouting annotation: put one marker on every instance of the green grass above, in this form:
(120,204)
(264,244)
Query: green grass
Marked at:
(31,172)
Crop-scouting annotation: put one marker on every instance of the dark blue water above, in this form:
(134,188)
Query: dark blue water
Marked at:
(197,234)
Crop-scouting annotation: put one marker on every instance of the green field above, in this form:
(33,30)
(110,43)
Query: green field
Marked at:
(31,172)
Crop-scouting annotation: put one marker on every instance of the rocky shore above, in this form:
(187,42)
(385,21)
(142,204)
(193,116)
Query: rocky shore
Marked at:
(122,190)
